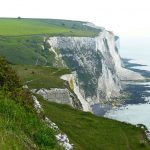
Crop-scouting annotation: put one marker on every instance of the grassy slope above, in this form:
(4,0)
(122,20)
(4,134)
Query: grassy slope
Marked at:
(29,50)
(22,129)
(41,77)
(89,132)
(20,126)
(15,27)
(22,50)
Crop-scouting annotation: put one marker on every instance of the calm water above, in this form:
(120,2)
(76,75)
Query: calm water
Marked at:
(137,49)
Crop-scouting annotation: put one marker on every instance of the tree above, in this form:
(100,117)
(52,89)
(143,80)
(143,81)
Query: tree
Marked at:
(19,17)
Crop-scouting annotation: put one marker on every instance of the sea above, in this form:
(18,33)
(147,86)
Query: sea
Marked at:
(135,52)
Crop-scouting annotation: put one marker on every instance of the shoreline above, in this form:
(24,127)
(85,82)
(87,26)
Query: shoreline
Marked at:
(136,91)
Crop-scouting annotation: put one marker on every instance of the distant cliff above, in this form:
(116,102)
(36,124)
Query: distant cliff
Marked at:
(97,63)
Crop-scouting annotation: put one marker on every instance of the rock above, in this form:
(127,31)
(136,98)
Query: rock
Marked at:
(68,146)
(62,96)
(61,138)
(37,105)
(25,87)
(76,89)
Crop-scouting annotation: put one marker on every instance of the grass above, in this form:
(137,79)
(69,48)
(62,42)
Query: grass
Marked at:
(51,27)
(25,50)
(37,77)
(22,129)
(89,132)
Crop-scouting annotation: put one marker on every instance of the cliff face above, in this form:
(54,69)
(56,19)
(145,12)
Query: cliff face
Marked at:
(74,85)
(62,96)
(97,64)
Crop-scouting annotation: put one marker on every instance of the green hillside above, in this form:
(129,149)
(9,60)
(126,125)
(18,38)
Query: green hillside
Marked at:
(23,50)
(20,126)
(52,27)
(21,129)
(37,77)
(89,132)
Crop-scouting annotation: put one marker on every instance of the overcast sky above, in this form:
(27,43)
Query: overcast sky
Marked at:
(123,17)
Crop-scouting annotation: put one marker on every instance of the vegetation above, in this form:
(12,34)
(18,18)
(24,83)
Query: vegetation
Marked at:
(89,132)
(20,126)
(8,78)
(37,77)
(52,27)
(10,84)
(24,50)
(21,129)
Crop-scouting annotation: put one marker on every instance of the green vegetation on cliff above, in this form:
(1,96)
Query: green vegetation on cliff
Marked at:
(25,50)
(20,126)
(37,77)
(52,27)
(22,129)
(89,132)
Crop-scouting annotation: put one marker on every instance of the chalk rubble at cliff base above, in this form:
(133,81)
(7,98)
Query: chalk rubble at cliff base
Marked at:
(62,139)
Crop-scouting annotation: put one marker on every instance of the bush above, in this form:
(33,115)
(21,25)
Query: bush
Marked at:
(45,137)
(8,77)
(11,85)
(142,143)
(23,96)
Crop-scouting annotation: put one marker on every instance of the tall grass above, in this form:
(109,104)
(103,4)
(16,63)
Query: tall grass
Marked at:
(22,128)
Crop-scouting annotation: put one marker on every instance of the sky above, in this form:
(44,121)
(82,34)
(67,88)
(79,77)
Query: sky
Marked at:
(123,17)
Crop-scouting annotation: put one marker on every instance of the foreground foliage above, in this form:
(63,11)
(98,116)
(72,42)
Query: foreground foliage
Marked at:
(20,126)
(21,129)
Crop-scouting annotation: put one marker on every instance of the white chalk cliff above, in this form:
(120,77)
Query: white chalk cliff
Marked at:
(73,82)
(98,66)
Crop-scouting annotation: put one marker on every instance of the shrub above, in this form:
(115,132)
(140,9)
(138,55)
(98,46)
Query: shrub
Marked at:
(11,85)
(45,137)
(8,77)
